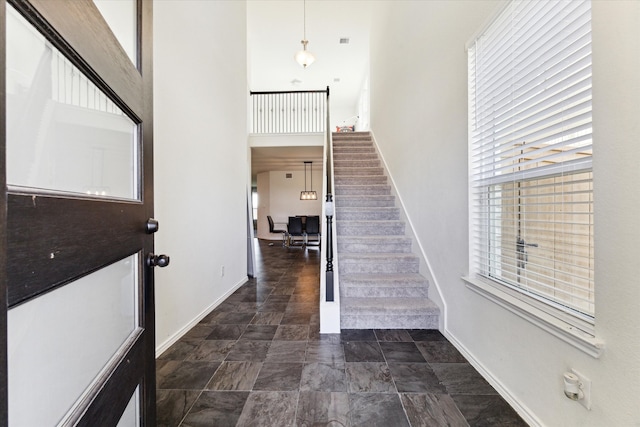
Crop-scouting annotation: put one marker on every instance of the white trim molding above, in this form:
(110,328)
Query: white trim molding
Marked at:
(568,333)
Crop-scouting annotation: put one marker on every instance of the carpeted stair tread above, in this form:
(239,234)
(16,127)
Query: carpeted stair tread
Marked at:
(359,179)
(368,171)
(374,189)
(364,201)
(382,244)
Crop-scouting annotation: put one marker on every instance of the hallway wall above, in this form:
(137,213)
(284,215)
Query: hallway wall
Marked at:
(201,157)
(419,118)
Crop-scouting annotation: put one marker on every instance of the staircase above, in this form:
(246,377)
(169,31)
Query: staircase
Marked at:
(380,283)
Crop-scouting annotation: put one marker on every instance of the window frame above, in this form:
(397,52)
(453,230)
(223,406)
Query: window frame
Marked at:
(573,327)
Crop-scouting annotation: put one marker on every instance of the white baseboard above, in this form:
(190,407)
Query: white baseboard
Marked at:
(175,337)
(526,414)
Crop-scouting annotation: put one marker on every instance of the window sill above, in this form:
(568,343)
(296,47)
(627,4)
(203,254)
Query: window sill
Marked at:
(557,327)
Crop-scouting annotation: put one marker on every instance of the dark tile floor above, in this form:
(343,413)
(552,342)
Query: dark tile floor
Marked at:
(259,360)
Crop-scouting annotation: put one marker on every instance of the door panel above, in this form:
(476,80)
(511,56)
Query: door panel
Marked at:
(65,134)
(77,328)
(59,238)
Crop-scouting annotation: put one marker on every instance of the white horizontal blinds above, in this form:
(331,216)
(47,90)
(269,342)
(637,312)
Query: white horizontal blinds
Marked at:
(530,125)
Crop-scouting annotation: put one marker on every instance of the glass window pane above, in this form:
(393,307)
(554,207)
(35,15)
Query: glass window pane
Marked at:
(131,415)
(63,133)
(121,15)
(59,342)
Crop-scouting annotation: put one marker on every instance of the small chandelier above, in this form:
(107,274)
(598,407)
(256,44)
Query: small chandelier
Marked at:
(308,195)
(304,57)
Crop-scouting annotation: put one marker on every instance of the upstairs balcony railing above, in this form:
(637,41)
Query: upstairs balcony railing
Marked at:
(289,112)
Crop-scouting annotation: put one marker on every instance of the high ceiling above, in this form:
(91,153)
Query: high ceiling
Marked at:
(275,29)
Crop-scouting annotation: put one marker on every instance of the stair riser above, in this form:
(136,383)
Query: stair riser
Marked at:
(349,321)
(356,229)
(379,268)
(363,190)
(380,292)
(368,215)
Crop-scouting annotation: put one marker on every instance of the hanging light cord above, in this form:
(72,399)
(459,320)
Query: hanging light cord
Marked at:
(304,20)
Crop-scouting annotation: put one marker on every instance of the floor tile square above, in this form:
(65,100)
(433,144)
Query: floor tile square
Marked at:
(267,318)
(286,351)
(197,333)
(377,410)
(369,377)
(233,318)
(279,298)
(323,409)
(325,352)
(440,352)
(394,335)
(211,350)
(234,376)
(487,411)
(226,332)
(432,410)
(323,377)
(358,335)
(250,351)
(279,376)
(216,408)
(292,333)
(401,352)
(415,378)
(180,350)
(293,318)
(363,351)
(269,409)
(186,375)
(259,332)
(173,405)
(426,335)
(461,378)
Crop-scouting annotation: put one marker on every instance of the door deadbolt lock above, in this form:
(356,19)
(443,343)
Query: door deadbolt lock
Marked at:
(157,260)
(151,226)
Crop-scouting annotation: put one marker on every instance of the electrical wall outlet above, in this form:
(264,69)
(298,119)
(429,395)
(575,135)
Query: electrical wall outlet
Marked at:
(585,386)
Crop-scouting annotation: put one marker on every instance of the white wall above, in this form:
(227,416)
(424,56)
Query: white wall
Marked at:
(279,197)
(419,117)
(201,157)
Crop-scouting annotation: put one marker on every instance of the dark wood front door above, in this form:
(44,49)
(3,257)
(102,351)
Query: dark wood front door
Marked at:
(77,120)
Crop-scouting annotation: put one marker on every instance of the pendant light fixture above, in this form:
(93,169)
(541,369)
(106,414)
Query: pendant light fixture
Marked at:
(304,57)
(308,195)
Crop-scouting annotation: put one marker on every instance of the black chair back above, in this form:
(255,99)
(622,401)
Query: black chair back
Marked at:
(295,226)
(313,225)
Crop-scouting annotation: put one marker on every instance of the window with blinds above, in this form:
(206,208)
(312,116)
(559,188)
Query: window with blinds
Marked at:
(530,142)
